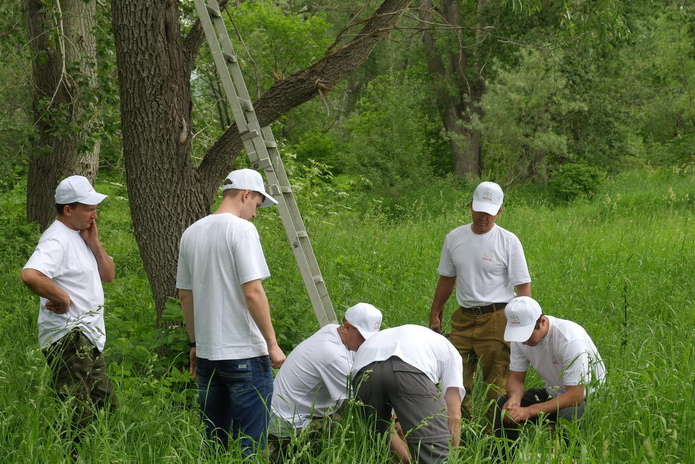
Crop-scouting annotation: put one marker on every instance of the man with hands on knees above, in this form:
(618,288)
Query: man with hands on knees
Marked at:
(227,315)
(564,356)
(67,270)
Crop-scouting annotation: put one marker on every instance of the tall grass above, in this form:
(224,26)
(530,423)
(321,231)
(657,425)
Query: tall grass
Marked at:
(620,264)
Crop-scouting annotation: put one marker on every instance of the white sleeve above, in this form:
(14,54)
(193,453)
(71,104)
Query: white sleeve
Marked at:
(446,266)
(336,377)
(47,258)
(576,364)
(517,360)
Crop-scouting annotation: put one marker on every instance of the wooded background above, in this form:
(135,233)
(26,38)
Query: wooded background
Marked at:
(385,96)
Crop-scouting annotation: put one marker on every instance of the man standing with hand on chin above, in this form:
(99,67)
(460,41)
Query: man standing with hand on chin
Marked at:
(66,270)
(227,315)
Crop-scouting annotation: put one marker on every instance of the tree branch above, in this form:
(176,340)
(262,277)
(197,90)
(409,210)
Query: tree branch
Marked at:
(304,85)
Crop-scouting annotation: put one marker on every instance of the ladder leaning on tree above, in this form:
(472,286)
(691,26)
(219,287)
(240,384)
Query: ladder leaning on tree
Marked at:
(262,151)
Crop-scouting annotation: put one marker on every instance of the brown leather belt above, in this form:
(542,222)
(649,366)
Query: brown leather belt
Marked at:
(483,310)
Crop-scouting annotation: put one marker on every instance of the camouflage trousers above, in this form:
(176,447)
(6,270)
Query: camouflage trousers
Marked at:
(79,376)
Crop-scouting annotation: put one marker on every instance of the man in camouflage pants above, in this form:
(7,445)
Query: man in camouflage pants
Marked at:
(67,270)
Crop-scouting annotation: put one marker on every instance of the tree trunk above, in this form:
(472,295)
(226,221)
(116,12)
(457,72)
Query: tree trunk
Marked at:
(166,193)
(457,103)
(64,72)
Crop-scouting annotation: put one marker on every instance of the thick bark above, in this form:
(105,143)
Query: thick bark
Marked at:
(154,80)
(166,192)
(456,107)
(65,57)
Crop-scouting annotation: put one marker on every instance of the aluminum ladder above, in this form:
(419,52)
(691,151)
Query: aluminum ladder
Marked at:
(263,153)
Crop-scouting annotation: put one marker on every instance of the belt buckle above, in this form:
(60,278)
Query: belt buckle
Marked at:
(477,311)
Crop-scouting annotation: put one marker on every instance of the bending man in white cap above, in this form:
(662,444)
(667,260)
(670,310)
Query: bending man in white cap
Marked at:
(485,264)
(564,356)
(67,270)
(314,380)
(417,374)
(227,315)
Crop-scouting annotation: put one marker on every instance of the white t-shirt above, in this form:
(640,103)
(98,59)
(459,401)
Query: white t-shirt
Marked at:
(418,346)
(218,254)
(565,356)
(487,266)
(63,256)
(312,382)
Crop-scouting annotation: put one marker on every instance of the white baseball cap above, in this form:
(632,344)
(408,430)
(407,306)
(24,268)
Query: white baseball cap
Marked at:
(77,189)
(248,179)
(488,198)
(522,313)
(365,318)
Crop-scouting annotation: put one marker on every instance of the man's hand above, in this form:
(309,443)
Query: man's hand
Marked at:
(58,308)
(91,234)
(517,414)
(435,323)
(193,362)
(277,357)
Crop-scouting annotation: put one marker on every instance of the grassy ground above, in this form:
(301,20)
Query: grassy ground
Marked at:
(620,264)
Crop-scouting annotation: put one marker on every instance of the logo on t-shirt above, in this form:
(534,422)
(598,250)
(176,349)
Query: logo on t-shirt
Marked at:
(488,255)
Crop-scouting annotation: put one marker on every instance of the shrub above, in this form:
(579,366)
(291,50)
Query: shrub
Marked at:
(575,180)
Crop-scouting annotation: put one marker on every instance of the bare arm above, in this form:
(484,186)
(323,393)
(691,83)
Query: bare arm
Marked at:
(42,285)
(452,397)
(107,268)
(259,308)
(445,287)
(186,297)
(523,289)
(515,388)
(573,396)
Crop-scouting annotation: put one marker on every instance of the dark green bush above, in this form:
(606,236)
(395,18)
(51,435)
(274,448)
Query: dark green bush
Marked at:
(575,180)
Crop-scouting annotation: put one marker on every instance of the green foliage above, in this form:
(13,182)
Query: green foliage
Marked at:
(15,96)
(619,263)
(571,181)
(275,39)
(390,135)
(524,110)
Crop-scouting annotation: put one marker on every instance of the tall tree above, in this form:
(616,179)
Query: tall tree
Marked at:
(62,38)
(456,67)
(167,192)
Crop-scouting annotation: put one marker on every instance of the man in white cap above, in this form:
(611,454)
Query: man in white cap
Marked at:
(417,374)
(233,346)
(67,270)
(486,265)
(314,380)
(564,356)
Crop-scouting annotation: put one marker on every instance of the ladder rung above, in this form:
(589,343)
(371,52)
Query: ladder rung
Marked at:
(213,11)
(271,144)
(318,279)
(262,164)
(286,189)
(249,134)
(302,234)
(274,190)
(246,105)
(229,57)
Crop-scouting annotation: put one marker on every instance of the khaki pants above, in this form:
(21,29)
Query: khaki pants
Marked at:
(480,340)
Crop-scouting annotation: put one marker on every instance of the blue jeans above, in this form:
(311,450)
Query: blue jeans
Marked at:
(234,400)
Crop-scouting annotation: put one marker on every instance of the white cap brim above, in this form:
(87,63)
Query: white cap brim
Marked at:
(485,207)
(518,334)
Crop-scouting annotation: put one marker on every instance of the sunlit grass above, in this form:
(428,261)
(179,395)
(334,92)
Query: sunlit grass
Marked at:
(620,264)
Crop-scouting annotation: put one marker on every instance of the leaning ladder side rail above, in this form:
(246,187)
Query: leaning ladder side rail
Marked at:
(262,151)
